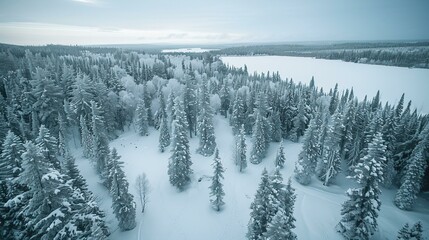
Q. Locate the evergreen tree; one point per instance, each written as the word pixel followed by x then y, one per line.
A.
pixel 278 227
pixel 62 136
pixel 164 135
pixel 48 146
pixel 179 166
pixel 261 209
pixel 205 127
pixel 334 100
pixel 77 181
pixel 360 212
pixel 142 122
pixel 216 188
pixel 225 100
pixel 328 165
pixel 238 115
pixel 100 141
pixel 414 173
pixel 240 150
pixel 10 158
pixel 87 140
pixel 260 143
pixel 307 158
pixel 190 103
pixel 300 121
pixel 276 131
pixel 282 224
pixel 404 233
pixel 280 157
pixel 416 231
pixel 123 204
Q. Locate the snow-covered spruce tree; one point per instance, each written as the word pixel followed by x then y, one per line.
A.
pixel 334 100
pixel 240 150
pixel 282 224
pixel 388 131
pixel 62 136
pixel 360 212
pixel 260 143
pixel 86 139
pixel 216 188
pixel 100 142
pixel 415 233
pixel 415 171
pixel 404 233
pixel 225 98
pixel 329 164
pixel 10 158
pixel 238 115
pixel 307 158
pixel 71 170
pixel 190 103
pixel 278 227
pixel 207 143
pixel 280 157
pixel 10 168
pixel 276 130
pixel 179 166
pixel 164 135
pixel 142 122
pixel 147 98
pixel 261 209
pixel 49 206
pixel 123 204
pixel 300 121
pixel 48 146
pixel 162 111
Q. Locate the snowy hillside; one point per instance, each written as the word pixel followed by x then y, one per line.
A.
pixel 172 214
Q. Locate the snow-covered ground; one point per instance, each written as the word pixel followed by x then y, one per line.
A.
pixel 187 50
pixel 171 214
pixel 364 78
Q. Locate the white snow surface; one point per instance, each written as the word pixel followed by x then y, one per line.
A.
pixel 171 214
pixel 365 79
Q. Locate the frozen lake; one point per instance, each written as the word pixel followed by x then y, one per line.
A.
pixel 364 78
pixel 187 50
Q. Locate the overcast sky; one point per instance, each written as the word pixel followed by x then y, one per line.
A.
pixel 38 22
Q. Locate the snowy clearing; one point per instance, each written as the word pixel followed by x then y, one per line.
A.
pixel 171 214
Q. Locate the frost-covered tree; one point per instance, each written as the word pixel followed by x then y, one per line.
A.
pixel 329 164
pixel 414 173
pixel 278 228
pixel 240 150
pixel 123 204
pixel 307 158
pixel 216 187
pixel 238 115
pixel 164 135
pixel 415 233
pixel 261 209
pixel 360 211
pixel 48 146
pixel 276 131
pixel 280 157
pixel 179 166
pixel 225 98
pixel 300 121
pixel 86 138
pixel 207 143
pixel 260 142
pixel 190 103
pixel 142 122
pixel 62 136
pixel 283 222
pixel 100 142
pixel 71 170
pixel 10 158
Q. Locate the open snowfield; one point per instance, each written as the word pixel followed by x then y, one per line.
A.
pixel 171 214
pixel 364 78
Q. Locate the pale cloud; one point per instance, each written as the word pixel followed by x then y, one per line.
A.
pixel 26 33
